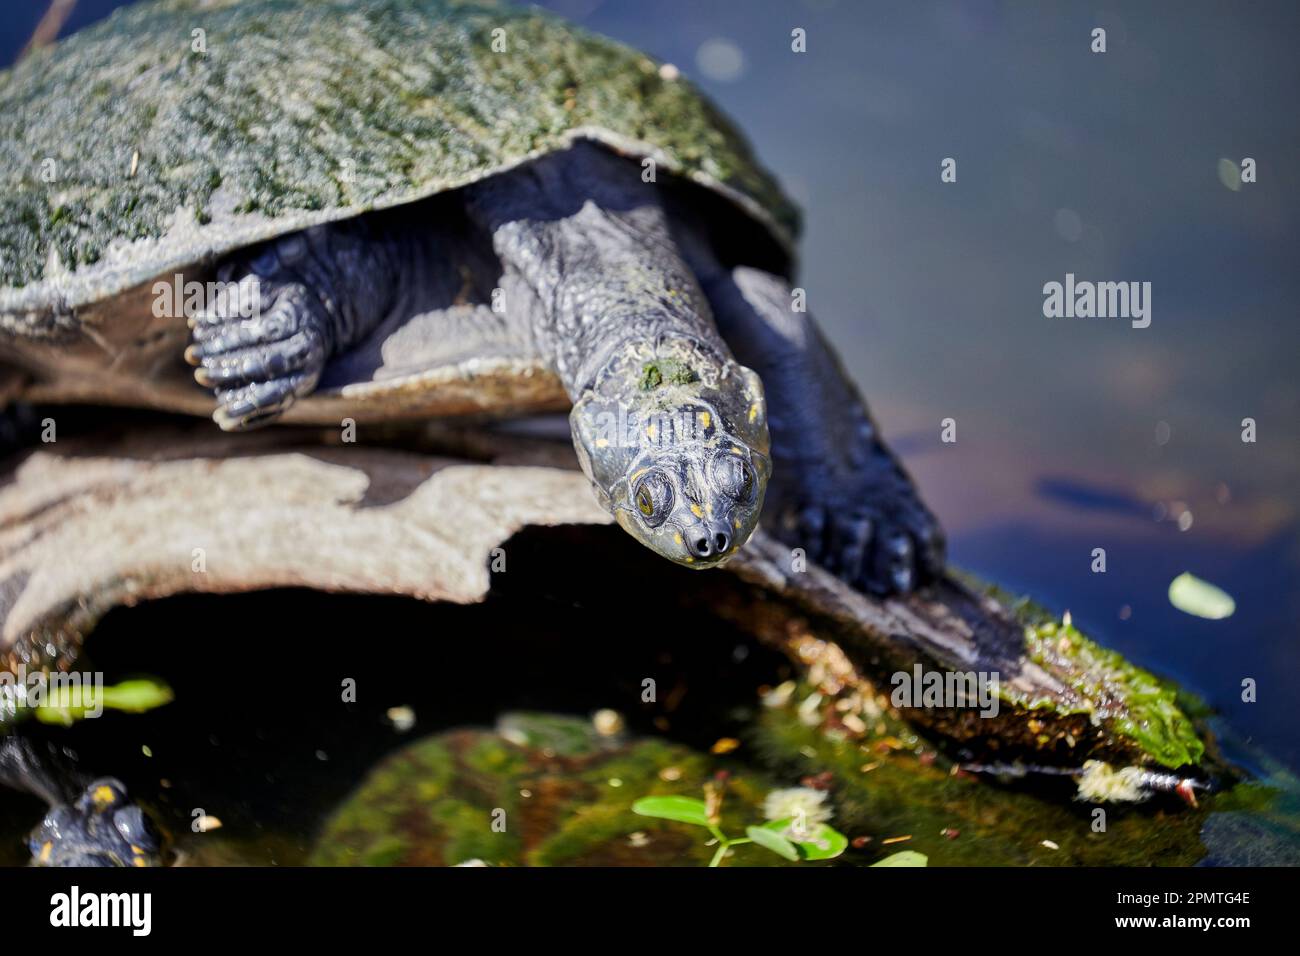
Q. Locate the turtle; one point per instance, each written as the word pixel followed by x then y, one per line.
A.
pixel 352 211
pixel 89 823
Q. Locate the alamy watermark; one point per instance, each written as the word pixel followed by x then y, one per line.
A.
pixel 177 298
pixel 919 688
pixel 69 690
pixel 1098 300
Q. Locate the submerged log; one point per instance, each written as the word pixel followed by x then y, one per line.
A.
pixel 115 518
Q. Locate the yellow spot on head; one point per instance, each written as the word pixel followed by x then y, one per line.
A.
pixel 45 852
pixel 638 473
pixel 650 431
pixel 103 795
pixel 602 442
pixel 705 419
pixel 737 522
pixel 677 539
pixel 753 411
pixel 697 511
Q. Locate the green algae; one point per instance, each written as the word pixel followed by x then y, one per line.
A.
pixel 1152 718
pixel 1149 713
pixel 909 789
pixel 358 106
pixel 665 371
pixel 564 793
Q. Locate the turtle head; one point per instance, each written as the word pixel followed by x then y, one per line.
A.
pixel 679 455
pixel 102 828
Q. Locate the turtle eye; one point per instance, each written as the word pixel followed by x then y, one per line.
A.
pixel 654 499
pixel 733 477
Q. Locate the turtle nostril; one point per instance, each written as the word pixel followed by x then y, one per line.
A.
pixel 721 542
pixel 701 548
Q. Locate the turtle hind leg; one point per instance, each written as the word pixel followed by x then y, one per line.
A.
pixel 283 310
pixel 836 490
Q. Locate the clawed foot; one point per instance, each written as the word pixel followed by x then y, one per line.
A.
pixel 261 345
pixel 883 541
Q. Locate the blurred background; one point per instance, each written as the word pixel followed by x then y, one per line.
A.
pixel 1072 434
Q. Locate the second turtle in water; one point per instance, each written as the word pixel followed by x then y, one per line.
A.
pixel 412 208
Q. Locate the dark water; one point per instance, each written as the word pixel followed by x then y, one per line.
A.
pixel 261 736
pixel 1072 434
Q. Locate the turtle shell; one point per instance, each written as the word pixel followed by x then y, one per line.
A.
pixel 177 131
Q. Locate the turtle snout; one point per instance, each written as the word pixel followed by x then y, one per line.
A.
pixel 709 542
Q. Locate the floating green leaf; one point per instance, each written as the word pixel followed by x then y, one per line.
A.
pixel 1200 598
pixel 820 842
pixel 905 858
pixel 66 705
pixel 681 809
pixel 770 839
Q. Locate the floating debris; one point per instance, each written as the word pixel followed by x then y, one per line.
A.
pixel 797 803
pixel 808 710
pixel 402 718
pixel 1200 598
pixel 206 823
pixel 1100 783
pixel 950 833
pixel 1050 845
pixel 897 839
pixel 780 695
pixel 608 723
pixel 670 774
pixel 724 745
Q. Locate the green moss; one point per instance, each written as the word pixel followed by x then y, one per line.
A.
pixel 665 371
pixel 386 852
pixel 567 794
pixel 1144 714
pixel 1138 705
pixel 455 110
pixel 466 828
pixel 908 789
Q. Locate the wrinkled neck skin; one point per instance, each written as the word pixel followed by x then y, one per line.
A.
pixel 673 435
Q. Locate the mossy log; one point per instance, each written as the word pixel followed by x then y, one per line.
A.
pixel 122 516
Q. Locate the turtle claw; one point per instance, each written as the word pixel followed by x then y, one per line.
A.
pixel 887 550
pixel 259 365
pixel 259 403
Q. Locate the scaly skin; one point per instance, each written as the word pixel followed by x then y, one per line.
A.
pixel 99 827
pixel 623 295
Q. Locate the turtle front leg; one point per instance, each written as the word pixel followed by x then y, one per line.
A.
pixel 836 490
pixel 287 308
